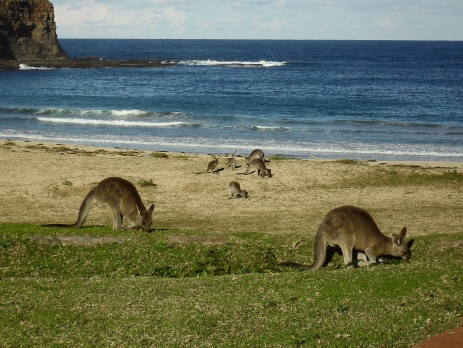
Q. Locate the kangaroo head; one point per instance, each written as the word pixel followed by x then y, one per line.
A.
pixel 399 248
pixel 145 218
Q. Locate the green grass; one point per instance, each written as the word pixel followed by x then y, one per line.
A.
pixel 350 161
pixel 159 155
pixel 149 292
pixel 279 158
pixel 9 143
pixel 403 176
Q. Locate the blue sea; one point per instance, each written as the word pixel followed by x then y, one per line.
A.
pixel 372 100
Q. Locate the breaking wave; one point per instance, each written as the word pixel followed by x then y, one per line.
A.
pixel 210 62
pixel 117 123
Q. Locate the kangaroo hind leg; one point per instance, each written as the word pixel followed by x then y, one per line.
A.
pixel 114 204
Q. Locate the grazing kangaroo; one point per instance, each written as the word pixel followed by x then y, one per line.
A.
pixel 259 167
pixel 255 154
pixel 232 162
pixel 123 199
pixel 353 228
pixel 234 190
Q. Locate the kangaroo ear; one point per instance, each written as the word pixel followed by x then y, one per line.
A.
pixel 403 233
pixel 396 239
pixel 151 209
pixel 410 243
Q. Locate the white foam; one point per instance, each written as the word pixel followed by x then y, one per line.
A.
pixel 272 128
pixel 209 62
pixel 27 67
pixel 118 123
pixel 124 113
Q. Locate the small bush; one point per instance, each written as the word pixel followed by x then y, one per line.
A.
pixel 159 155
pixel 146 183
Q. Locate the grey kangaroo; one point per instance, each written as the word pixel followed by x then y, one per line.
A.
pixel 123 199
pixel 354 228
pixel 259 167
pixel 212 166
pixel 235 191
pixel 255 154
pixel 232 163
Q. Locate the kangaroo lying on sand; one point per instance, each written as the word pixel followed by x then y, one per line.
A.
pixel 235 191
pixel 259 167
pixel 123 199
pixel 255 154
pixel 354 228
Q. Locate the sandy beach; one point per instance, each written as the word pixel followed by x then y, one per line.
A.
pixel 45 183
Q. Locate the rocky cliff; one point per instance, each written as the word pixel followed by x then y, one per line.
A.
pixel 28 30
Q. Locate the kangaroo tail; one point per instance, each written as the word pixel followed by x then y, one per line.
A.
pixel 319 249
pixel 87 203
pixel 85 207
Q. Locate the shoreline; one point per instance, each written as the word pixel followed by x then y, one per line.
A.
pixel 93 148
pixel 81 63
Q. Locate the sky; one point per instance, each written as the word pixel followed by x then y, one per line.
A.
pixel 261 19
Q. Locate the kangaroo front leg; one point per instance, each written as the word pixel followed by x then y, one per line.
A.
pixel 371 256
pixel 362 259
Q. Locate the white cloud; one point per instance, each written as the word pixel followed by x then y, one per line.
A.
pixel 177 19
pixel 302 19
pixel 272 24
pixel 384 23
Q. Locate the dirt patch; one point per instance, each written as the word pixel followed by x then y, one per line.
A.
pixel 206 240
pixel 452 245
pixel 88 241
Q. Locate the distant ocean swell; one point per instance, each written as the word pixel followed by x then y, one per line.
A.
pixel 174 119
pixel 314 128
pixel 88 112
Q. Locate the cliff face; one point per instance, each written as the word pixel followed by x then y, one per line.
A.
pixel 28 30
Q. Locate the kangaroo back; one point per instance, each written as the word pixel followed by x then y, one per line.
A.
pixel 255 154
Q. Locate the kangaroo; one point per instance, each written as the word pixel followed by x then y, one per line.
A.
pixel 354 228
pixel 234 190
pixel 257 153
pixel 231 161
pixel 123 199
pixel 211 167
pixel 260 168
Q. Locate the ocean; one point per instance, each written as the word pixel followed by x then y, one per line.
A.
pixel 366 100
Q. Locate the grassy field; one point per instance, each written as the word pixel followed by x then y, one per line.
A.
pixel 197 291
pixel 209 275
